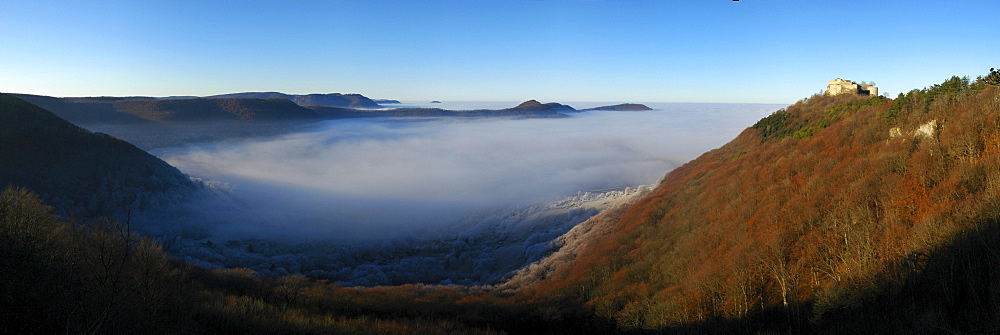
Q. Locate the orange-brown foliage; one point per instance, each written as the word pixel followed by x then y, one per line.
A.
pixel 801 217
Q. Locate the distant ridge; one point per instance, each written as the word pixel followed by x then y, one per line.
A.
pixel 200 109
pixel 330 99
pixel 137 110
pixel 621 107
pixel 99 112
pixel 82 111
pixel 535 105
pixel 557 107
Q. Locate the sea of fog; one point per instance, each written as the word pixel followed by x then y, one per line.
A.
pixel 387 177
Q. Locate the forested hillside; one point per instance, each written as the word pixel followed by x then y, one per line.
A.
pixel 82 173
pixel 193 110
pixel 148 111
pixel 100 278
pixel 838 213
pixel 316 99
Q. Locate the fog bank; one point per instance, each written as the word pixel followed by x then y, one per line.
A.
pixel 377 177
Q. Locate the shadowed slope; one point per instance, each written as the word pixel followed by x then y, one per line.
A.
pixel 83 111
pixel 149 111
pixel 195 110
pixel 90 174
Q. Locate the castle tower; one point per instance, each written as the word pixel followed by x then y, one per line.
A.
pixel 842 86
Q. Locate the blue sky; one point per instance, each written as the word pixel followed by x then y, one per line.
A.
pixel 757 51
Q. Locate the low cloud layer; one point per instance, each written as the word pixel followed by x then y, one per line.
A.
pixel 366 178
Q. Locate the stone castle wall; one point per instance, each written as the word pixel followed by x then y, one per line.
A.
pixel 842 86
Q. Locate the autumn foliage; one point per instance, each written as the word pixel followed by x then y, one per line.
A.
pixel 841 213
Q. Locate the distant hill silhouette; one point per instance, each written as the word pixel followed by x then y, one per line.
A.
pixel 535 105
pixel 82 111
pixel 95 112
pixel 88 174
pixel 530 111
pixel 330 99
pixel 621 107
pixel 386 101
pixel 140 110
pixel 200 109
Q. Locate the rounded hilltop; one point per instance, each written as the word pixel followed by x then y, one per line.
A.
pixel 535 105
pixel 622 107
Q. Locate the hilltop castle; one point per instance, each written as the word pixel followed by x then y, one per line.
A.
pixel 841 86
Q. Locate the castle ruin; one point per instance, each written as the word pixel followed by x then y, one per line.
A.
pixel 841 86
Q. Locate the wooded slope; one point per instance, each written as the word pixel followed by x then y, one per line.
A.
pixel 843 213
pixel 83 173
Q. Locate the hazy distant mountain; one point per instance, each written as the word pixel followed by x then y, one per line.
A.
pixel 82 111
pixel 141 110
pixel 214 109
pixel 89 174
pixel 386 101
pixel 531 109
pixel 534 105
pixel 621 107
pixel 265 106
pixel 330 99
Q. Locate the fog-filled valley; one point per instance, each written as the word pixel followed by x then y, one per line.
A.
pixel 485 167
pixel 419 200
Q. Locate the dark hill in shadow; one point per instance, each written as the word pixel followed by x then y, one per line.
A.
pixel 140 110
pixel 84 111
pixel 200 110
pixel 88 174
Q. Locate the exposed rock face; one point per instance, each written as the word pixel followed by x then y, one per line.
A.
pixel 79 172
pixel 925 130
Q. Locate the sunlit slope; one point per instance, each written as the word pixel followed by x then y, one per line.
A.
pixel 832 214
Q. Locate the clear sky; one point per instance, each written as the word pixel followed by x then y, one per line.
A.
pixel 765 51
